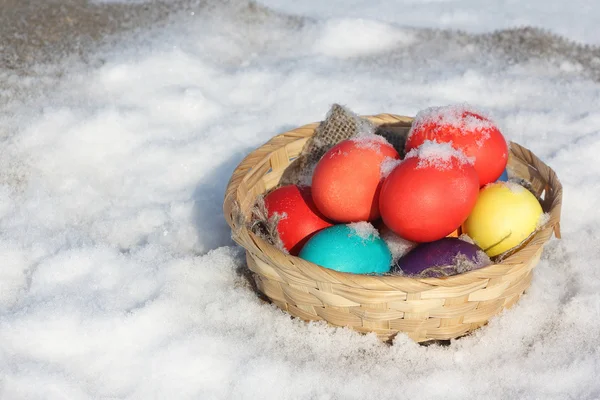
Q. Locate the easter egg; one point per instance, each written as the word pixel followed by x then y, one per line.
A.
pixel 347 180
pixel 454 254
pixel 299 217
pixel 503 177
pixel 505 214
pixel 468 131
pixel 353 248
pixel 430 193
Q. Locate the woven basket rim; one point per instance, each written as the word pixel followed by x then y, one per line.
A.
pixel 384 282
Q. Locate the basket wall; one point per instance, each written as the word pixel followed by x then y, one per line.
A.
pixel 426 309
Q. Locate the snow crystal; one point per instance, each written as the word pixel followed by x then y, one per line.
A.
pixel 438 155
pixel 368 140
pixel 483 259
pixel 397 245
pixel 509 143
pixel 388 165
pixel 364 230
pixel 463 116
pixel 279 216
pixel 365 129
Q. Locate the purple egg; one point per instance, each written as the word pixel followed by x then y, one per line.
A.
pixel 444 257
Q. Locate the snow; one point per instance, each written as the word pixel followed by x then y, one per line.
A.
pixel 483 259
pixel 440 156
pixel 371 142
pixel 119 278
pixel 468 119
pixel 387 166
pixel 398 246
pixel 364 230
pixel 575 19
pixel 354 37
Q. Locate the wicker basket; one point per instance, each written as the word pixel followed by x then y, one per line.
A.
pixel 426 309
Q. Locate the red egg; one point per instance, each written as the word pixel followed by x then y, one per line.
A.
pixel 430 194
pixel 347 180
pixel 300 217
pixel 468 131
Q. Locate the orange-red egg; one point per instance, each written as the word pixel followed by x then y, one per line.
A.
pixel 424 200
pixel 299 217
pixel 347 180
pixel 468 131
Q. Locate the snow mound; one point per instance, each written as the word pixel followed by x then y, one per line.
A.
pixel 441 156
pixel 388 165
pixel 364 230
pixel 365 138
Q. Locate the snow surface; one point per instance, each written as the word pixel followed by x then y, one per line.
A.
pixel 119 278
pixel 576 19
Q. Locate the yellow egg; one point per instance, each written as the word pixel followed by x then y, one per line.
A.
pixel 505 214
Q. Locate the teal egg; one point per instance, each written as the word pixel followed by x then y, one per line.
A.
pixel 341 248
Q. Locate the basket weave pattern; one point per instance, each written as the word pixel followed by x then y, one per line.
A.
pixel 425 308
